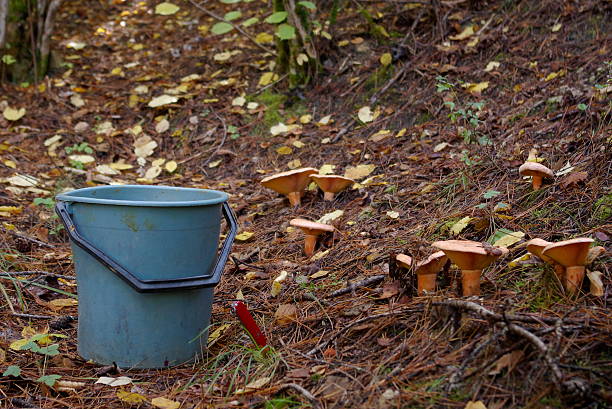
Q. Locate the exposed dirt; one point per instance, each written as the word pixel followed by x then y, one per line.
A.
pixel 375 345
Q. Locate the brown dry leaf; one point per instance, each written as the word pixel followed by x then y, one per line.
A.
pixel 466 33
pixel 285 314
pixel 597 287
pixel 384 341
pixel 2 356
pixel 390 289
pixel 507 361
pixel 258 383
pixel 573 179
pixel 299 373
pixel 329 353
pixel 594 253
pixel 165 403
pixel 359 171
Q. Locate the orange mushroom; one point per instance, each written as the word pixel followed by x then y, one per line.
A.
pixel 331 184
pixel 571 254
pixel 536 246
pixel 291 183
pixel 537 172
pixel 427 271
pixel 312 230
pixel 471 257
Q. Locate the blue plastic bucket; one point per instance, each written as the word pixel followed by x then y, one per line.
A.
pixel 146 263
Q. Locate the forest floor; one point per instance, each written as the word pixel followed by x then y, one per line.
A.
pixel 472 89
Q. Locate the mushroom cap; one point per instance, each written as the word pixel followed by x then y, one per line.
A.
pixel 536 246
pixel 332 183
pixel 311 228
pixel 294 180
pixel 404 260
pixel 535 169
pixel 469 255
pixel 569 253
pixel 432 264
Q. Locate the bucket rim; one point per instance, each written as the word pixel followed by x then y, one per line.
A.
pixel 74 196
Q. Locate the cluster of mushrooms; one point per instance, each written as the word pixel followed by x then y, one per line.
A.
pixel 293 183
pixel 568 257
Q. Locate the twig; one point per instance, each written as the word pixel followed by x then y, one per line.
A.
pixel 33 316
pixel 28 238
pixel 353 286
pixel 240 30
pixel 27 273
pixel 304 392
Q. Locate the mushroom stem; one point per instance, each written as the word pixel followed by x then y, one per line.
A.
pixel 329 196
pixel 295 198
pixel 426 283
pixel 309 244
pixel 470 280
pixel 573 278
pixel 560 273
pixel 536 182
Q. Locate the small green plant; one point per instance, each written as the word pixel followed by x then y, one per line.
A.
pixel 12 370
pixel 76 164
pixel 82 147
pixel 233 132
pixel 8 59
pixel 54 225
pixel 465 158
pixel 32 344
pixel 48 380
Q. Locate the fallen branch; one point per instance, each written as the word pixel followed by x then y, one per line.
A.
pixel 353 286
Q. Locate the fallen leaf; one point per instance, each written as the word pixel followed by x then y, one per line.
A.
pixel 508 361
pixel 244 236
pixel 466 33
pixel 144 146
pixel 305 119
pixel 596 287
pixel 285 314
pixel 329 353
pixel 215 163
pixel 2 356
pixel 23 180
pixel 359 171
pixel 131 397
pixel 459 226
pixel 330 217
pixel 573 179
pixel 393 214
pixel 594 253
pixel 258 383
pixel 267 78
pixel 120 381
pixel 162 126
pixel 475 405
pixel 7 211
pixel 440 146
pixel 166 9
pixel 325 120
pixel 509 239
pixel 365 114
pixel 556 27
pixel 77 100
pixel 171 166
pixel 476 88
pixel 327 169
pixel 216 334
pixel 386 59
pixel 63 302
pixel 84 159
pixel 9 163
pixel 278 129
pixel 164 403
pixel 284 150
pixel 390 289
pixel 298 373
pixel 11 114
pixel 106 170
pixel 277 284
pixel 492 65
pixel 319 274
pixel 162 100
pixel 153 172
pixel 239 101
pixel 294 164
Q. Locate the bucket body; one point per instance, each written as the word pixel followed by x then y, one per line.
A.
pixel 159 235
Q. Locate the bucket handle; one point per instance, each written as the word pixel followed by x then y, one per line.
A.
pixel 148 286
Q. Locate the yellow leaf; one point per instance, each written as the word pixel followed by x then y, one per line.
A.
pixel 330 217
pixel 238 101
pixel 401 133
pixel 305 118
pixel 214 336
pixel 171 166
pixel 509 239
pixel 326 120
pixel 13 114
pixel 9 163
pixel 117 71
pixel 475 405
pixel 264 38
pixel 278 129
pixel 28 332
pixel 63 302
pixel 214 164
pixel 16 345
pixel 121 166
pixel 359 171
pixel 298 144
pixel 380 135
pixel 259 383
pixel 386 59
pixel 466 33
pixel 267 78
pixel 244 236
pixel 166 9
pixel 554 75
pixel 2 356
pixel 284 150
pixel 164 403
pixel 294 164
pixel 460 225
pixel 476 88
pixel 393 214
pixel 327 169
pixel 10 210
pixel 556 27
pixel 277 284
pixel 131 397
pixel 162 100
pixel 492 65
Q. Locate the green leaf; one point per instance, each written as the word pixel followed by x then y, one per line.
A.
pixel 250 22
pixel 277 17
pixel 50 350
pixel 48 380
pixel 221 28
pixel 232 15
pixel 8 59
pixel 491 193
pixel 582 107
pixel 166 9
pixel 308 4
pixel 286 32
pixel 12 370
pixel 230 1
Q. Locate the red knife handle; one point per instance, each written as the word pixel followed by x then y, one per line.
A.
pixel 245 317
